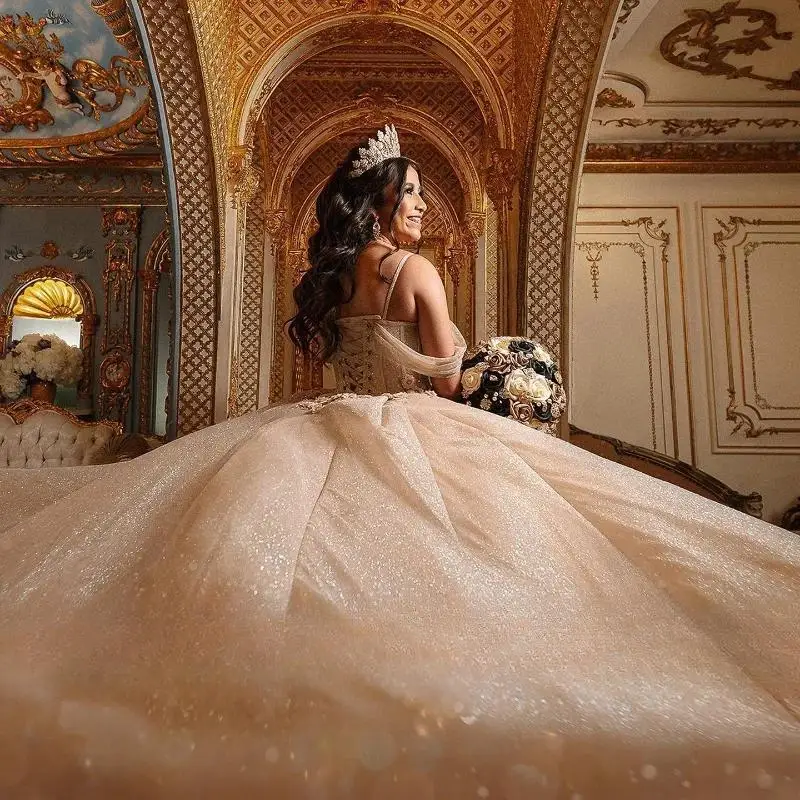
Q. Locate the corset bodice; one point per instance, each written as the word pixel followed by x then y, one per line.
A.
pixel 378 355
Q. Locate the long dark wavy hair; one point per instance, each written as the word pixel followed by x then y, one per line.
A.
pixel 345 212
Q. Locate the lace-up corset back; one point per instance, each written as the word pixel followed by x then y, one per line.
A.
pixel 378 355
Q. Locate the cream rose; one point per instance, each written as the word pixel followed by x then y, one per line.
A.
pixel 471 378
pixel 525 384
pixel 500 343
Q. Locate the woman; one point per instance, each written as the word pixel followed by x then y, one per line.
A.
pixel 385 594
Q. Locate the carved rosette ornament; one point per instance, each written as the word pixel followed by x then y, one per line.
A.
pixel 121 228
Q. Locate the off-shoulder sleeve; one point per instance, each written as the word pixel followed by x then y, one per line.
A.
pixel 431 366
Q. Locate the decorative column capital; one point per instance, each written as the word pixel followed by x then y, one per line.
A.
pixel 242 177
pixel 500 176
pixel 472 228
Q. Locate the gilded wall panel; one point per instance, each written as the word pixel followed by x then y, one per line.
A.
pixel 752 285
pixel 629 373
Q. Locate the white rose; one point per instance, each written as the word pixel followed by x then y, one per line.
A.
pixel 525 384
pixel 471 378
pixel 11 383
pixel 49 364
pixel 24 357
pixel 500 343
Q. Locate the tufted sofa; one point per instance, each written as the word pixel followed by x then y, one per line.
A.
pixel 40 435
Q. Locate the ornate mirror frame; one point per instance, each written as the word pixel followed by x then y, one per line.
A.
pixel 88 319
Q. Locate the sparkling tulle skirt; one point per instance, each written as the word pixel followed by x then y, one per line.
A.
pixel 390 597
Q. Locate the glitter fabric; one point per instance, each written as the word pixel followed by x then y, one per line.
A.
pixel 386 597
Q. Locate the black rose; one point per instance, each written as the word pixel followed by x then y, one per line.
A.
pixel 521 346
pixel 501 406
pixel 542 412
pixel 492 381
pixel 539 367
pixel 473 361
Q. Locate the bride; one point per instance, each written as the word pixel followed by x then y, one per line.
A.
pixel 386 594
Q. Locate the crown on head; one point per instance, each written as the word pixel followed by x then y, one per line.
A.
pixel 387 145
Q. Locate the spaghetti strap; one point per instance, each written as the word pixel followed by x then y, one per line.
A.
pixel 392 284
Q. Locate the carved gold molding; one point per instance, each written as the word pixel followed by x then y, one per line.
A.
pixel 137 130
pixel 20 410
pixel 157 263
pixel 121 224
pixel 749 416
pixel 693 157
pixel 704 126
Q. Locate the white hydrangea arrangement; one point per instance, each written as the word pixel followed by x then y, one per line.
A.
pixel 36 356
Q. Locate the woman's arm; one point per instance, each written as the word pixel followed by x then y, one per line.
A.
pixel 433 319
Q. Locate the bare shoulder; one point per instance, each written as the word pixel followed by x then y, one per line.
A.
pixel 420 273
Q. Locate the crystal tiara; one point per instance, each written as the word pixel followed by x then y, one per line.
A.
pixel 387 145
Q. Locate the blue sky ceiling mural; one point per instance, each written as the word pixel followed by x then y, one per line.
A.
pixel 70 88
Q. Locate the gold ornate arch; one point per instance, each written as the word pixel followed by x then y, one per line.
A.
pixel 173 60
pixel 550 169
pixel 305 41
pixel 88 319
pixel 353 117
pixel 553 169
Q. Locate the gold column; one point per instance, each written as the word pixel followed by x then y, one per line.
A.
pixel 121 226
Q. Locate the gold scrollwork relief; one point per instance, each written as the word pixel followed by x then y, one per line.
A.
pixel 706 41
pixel 121 226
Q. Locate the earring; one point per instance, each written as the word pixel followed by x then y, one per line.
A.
pixel 376 229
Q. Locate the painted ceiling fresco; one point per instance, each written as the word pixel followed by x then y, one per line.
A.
pixel 65 78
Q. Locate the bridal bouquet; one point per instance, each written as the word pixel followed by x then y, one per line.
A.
pixel 38 357
pixel 514 377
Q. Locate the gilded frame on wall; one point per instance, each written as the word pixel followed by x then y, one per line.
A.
pixel 88 319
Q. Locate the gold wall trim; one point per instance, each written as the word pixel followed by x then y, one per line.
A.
pixel 177 69
pixel 136 130
pixel 746 414
pixel 553 169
